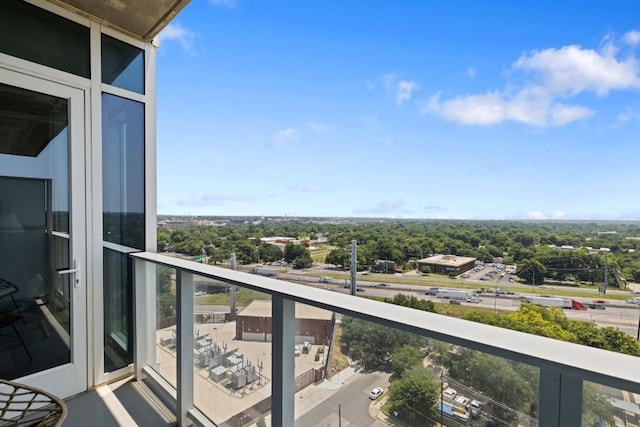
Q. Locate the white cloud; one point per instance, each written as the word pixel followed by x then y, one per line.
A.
pixel 318 128
pixel 401 90
pixel 471 72
pixel 176 32
pixel 229 4
pixel 557 75
pixel 404 90
pixel 535 215
pixel 279 138
pixel 632 38
pixel 571 70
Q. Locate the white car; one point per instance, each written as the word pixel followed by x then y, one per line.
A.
pixel 449 394
pixel 375 393
pixel 475 408
pixel 296 351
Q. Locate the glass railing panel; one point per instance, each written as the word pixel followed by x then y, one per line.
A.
pixel 607 406
pixel 369 374
pixel 164 327
pixel 232 352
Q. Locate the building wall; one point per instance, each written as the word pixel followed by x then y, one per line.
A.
pixel 250 328
pixel 447 268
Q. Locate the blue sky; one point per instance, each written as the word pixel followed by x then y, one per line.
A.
pixel 405 109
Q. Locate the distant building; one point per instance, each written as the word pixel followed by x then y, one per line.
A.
pixel 312 324
pixel 385 266
pixel 448 264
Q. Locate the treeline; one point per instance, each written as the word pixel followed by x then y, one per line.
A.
pixel 406 241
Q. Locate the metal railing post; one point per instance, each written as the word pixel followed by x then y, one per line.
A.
pixel 184 345
pixel 283 341
pixel 560 402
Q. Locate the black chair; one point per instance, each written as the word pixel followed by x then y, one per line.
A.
pixel 7 289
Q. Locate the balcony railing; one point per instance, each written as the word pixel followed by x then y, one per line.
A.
pixel 563 367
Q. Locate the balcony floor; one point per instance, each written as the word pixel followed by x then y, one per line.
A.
pixel 124 403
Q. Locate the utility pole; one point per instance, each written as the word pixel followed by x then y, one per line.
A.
pixel 234 288
pixel 354 265
pixel 606 270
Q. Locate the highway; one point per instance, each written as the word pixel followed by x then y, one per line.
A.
pixel 618 314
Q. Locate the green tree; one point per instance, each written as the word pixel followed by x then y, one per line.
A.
pixel 163 279
pixel 293 251
pixel 371 343
pixel 532 271
pixel 417 390
pixel 405 358
pixel 595 406
pixel 338 257
pixel 270 253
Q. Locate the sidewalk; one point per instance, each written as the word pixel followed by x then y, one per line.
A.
pixel 313 395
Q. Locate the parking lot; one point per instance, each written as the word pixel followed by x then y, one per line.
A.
pixel 488 272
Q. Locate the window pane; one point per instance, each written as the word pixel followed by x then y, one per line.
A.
pixel 118 311
pixel 35 301
pixel 36 35
pixel 122 65
pixel 163 359
pixel 232 356
pixel 123 171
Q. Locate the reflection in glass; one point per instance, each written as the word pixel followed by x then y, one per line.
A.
pixel 164 361
pixel 35 301
pixel 122 65
pixel 123 171
pixel 118 311
pixel 232 369
pixel 36 35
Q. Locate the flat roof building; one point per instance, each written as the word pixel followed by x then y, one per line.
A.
pixel 312 324
pixel 448 264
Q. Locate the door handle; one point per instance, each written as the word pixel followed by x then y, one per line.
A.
pixel 74 271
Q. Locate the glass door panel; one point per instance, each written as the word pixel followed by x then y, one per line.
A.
pixel 42 234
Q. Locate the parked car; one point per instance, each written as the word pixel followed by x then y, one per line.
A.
pixel 375 393
pixel 449 394
pixel 475 408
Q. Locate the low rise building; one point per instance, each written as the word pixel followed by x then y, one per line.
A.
pixel 448 264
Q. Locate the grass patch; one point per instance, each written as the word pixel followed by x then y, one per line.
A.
pixel 339 361
pixel 319 254
pixel 244 297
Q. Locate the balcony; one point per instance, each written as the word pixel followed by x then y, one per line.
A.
pixel 213 378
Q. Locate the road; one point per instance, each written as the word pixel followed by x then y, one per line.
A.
pixel 351 401
pixel 618 314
